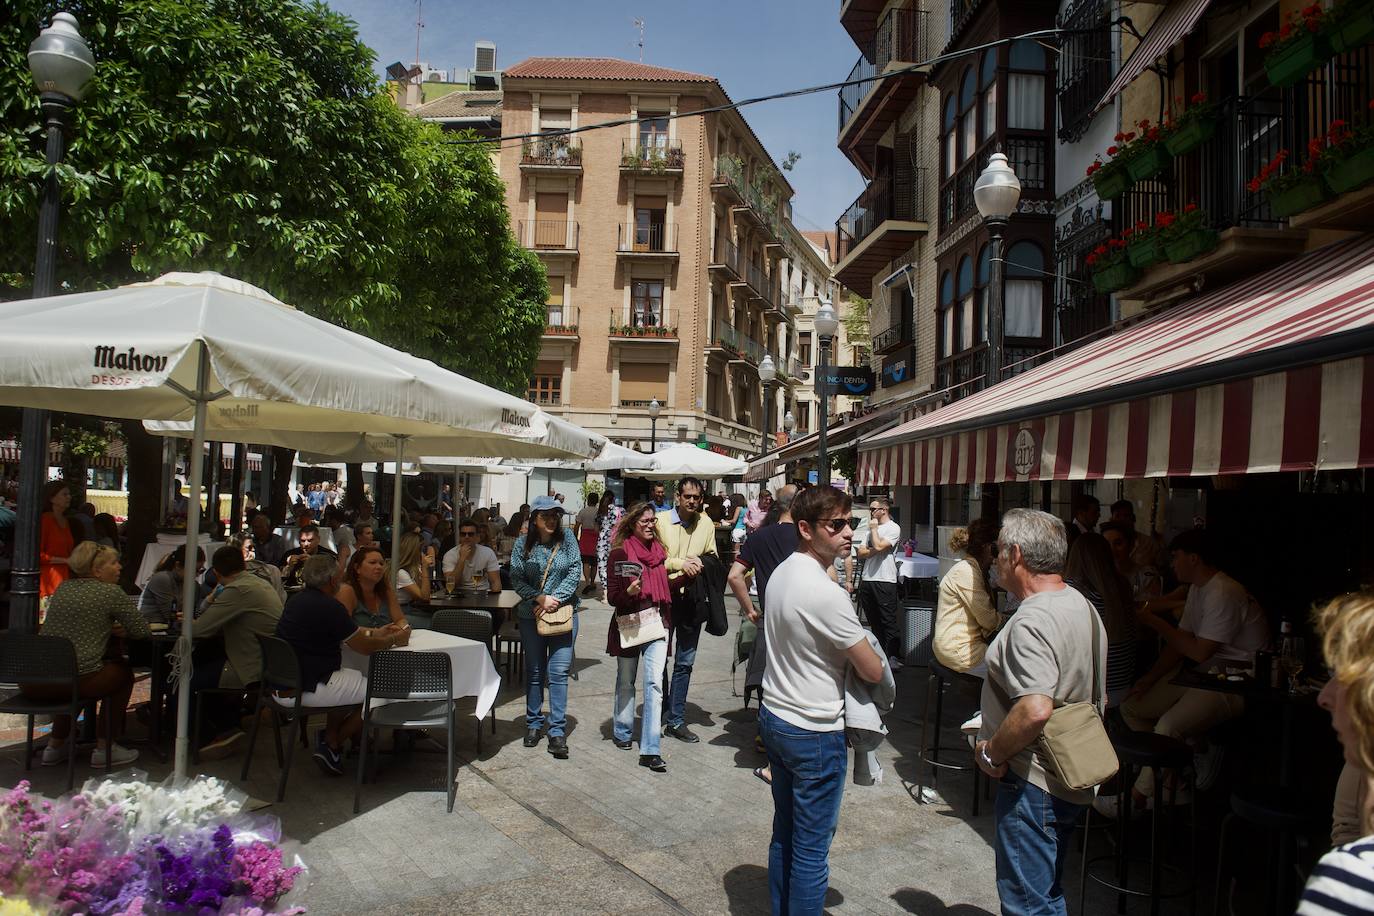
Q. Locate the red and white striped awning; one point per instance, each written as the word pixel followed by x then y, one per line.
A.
pixel 838 436
pixel 1272 374
pixel 114 456
pixel 1172 25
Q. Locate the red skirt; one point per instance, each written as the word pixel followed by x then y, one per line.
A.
pixel 586 544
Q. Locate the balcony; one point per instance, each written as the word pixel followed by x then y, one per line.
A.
pixel 561 322
pixel 882 223
pixel 728 181
pixel 760 211
pixel 725 260
pixel 726 340
pixel 651 155
pixel 894 338
pixel 647 241
pixel 553 154
pixel 789 370
pixel 1029 156
pixel 550 236
pixel 868 108
pixel 755 283
pixel 644 323
pixel 956 192
pixel 963 374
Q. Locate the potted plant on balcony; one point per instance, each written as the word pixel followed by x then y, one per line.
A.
pixel 1187 235
pixel 1110 178
pixel 1146 155
pixel 1350 25
pixel 1290 190
pixel 1347 159
pixel 1194 126
pixel 1111 269
pixel 1145 241
pixel 1299 46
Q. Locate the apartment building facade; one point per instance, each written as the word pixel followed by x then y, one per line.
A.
pixel 664 240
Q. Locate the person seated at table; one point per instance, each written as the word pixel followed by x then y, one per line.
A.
pixel 87 610
pixel 1221 625
pixel 161 596
pixel 364 535
pixel 1092 570
pixel 471 561
pixel 270 546
pixel 1145 581
pixel 364 516
pixel 316 625
pixel 344 538
pixel 1343 881
pixel 366 591
pixel 965 615
pixel 242 607
pixel 310 546
pixel 264 571
pixel 106 530
pixel 412 575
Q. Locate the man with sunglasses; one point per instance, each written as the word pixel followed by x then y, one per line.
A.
pixel 813 637
pixel 687 534
pixel 878 590
pixel 469 559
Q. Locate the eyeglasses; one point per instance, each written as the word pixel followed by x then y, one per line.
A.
pixel 877 509
pixel 836 525
pixel 467 534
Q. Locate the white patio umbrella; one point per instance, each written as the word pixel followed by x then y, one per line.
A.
pixel 226 357
pixel 689 461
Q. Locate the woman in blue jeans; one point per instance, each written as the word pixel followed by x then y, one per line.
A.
pixel 637 581
pixel 546 568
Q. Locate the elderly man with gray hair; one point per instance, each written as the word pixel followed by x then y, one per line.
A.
pixel 1042 659
pixel 317 626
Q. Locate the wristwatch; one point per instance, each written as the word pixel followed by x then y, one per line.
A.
pixel 987 758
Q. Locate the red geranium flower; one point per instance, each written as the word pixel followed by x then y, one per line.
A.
pixel 1113 150
pixel 1199 97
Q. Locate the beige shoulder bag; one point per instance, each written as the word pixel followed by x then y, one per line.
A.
pixel 556 622
pixel 1074 743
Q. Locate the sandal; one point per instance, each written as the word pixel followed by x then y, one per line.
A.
pixel 762 773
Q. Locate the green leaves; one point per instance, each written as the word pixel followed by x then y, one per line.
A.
pixel 251 137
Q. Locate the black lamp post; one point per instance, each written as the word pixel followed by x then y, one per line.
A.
pixel 655 409
pixel 767 372
pixel 827 326
pixel 996 194
pixel 61 65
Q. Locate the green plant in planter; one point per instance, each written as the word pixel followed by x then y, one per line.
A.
pixel 1194 126
pixel 1187 235
pixel 1290 190
pixel 1299 46
pixel 1146 155
pixel 1109 179
pixel 1111 269
pixel 1346 158
pixel 1145 241
pixel 1350 25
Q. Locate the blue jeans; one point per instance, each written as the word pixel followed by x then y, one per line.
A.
pixel 547 660
pixel 684 656
pixel 651 659
pixel 808 783
pixel 1033 831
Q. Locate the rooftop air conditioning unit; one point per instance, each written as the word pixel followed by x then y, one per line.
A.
pixel 484 57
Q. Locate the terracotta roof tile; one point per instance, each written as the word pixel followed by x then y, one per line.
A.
pixel 598 68
pixel 462 105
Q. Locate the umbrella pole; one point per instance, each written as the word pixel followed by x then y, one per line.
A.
pixel 188 580
pixel 396 509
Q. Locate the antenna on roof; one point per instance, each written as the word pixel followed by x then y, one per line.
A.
pixel 639 24
pixel 419 24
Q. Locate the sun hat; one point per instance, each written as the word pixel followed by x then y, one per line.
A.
pixel 546 504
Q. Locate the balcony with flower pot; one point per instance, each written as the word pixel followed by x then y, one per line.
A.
pixel 557 153
pixel 560 322
pixel 644 323
pixel 1337 192
pixel 653 155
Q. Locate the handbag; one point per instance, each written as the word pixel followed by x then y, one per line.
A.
pixel 640 627
pixel 1074 743
pixel 556 622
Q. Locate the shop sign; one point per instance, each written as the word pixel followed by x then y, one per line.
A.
pixel 851 380
pixel 1023 451
pixel 900 368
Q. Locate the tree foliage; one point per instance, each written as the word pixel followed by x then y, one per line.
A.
pixel 251 137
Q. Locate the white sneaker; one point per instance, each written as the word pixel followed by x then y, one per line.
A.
pixel 894 663
pixel 1207 766
pixel 123 756
pixel 52 756
pixel 973 726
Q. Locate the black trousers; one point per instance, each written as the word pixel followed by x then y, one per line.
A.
pixel 878 601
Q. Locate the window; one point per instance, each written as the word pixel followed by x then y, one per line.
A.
pixel 545 389
pixel 1026 90
pixel 555 302
pixel 646 303
pixel 946 314
pixel 951 138
pixel 650 214
pixel 1025 291
pixel 1085 64
pixel 653 133
pixel 641 383
pixel 968 114
pixel 804 348
pixel 989 86
pixel 965 304
pixel 803 416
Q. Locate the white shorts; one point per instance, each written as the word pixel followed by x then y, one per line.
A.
pixel 345 687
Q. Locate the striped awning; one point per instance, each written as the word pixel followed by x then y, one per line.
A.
pixel 113 457
pixel 1271 374
pixel 839 435
pixel 1173 24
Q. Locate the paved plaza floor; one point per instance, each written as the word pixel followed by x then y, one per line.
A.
pixel 599 834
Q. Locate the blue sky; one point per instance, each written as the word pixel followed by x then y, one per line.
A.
pixel 754 47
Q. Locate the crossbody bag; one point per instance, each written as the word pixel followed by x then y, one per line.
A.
pixel 556 622
pixel 1074 743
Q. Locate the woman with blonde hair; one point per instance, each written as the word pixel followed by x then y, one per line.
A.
pixel 1092 570
pixel 965 615
pixel 1343 881
pixel 413 564
pixel 86 610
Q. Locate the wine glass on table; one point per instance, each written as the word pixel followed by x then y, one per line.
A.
pixel 1292 655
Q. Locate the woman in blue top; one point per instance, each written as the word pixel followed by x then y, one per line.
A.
pixel 548 546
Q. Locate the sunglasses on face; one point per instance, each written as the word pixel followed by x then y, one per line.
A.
pixel 467 534
pixel 876 509
pixel 836 525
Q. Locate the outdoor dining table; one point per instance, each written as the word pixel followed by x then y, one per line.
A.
pixel 918 566
pixel 504 600
pixel 473 673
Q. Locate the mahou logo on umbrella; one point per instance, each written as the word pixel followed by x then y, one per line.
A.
pixel 128 360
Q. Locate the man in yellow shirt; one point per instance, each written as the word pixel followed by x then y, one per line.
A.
pixel 687 534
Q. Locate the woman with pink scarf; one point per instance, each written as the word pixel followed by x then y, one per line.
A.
pixel 637 580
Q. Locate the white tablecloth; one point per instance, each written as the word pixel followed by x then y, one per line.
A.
pixel 153 553
pixel 473 673
pixel 917 566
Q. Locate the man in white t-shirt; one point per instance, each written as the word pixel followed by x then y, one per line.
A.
pixel 1221 625
pixel 812 636
pixel 878 590
pixel 470 559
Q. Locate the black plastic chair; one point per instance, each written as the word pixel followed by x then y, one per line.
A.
pixel 281 670
pixel 939 681
pixel 470 624
pixel 201 694
pixel 30 658
pixel 1281 817
pixel 421 683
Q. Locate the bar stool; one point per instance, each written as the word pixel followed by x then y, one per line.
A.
pixel 1277 812
pixel 939 680
pixel 1138 751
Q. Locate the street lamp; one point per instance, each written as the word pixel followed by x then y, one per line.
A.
pixel 767 372
pixel 655 408
pixel 789 423
pixel 996 194
pixel 827 325
pixel 61 65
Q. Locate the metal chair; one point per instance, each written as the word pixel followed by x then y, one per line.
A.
pixel 29 658
pixel 509 634
pixel 475 625
pixel 422 685
pixel 939 681
pixel 281 670
pixel 201 694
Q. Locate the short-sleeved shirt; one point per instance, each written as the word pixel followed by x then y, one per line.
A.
pixel 344 537
pixel 809 624
pixel 1342 882
pixel 882 567
pixel 766 550
pixel 586 517
pixel 316 626
pixel 1045 649
pixel 483 561
pixel 1221 610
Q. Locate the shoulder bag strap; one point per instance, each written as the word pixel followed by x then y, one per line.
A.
pixel 549 565
pixel 1097 645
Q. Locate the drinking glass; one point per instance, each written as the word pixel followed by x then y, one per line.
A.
pixel 1291 660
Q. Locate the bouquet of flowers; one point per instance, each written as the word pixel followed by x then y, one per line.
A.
pixel 125 847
